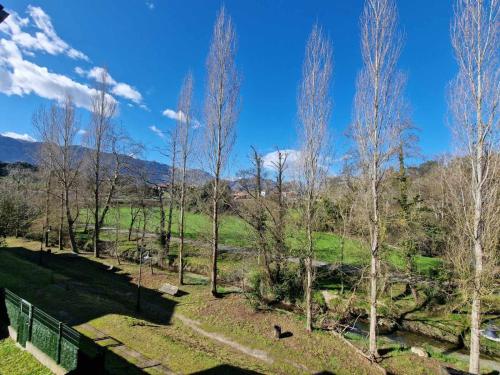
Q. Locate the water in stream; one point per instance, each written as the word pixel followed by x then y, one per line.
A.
pixel 409 339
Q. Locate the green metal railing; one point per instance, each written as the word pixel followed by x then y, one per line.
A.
pixel 51 336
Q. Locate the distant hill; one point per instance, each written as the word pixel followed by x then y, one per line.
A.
pixel 15 150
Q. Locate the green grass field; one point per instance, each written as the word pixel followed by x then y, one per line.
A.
pixel 14 361
pixel 235 232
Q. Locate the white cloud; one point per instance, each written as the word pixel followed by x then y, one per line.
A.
pixel 22 77
pixel 178 116
pixel 121 89
pixel 150 4
pixel 99 74
pixel 80 71
pixel 292 159
pixel 157 131
pixel 19 76
pixel 82 132
pixel 127 92
pixel 44 39
pixel 22 137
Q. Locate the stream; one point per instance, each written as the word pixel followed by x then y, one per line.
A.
pixel 409 339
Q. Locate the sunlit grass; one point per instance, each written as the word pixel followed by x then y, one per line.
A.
pixel 14 361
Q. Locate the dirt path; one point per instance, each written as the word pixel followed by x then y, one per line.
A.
pixel 194 325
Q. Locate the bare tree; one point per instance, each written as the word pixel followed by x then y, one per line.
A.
pixel 254 211
pixel 474 98
pixel 185 129
pixel 101 138
pixel 221 110
pixel 57 128
pixel 280 167
pixel 314 109
pixel 265 212
pixel 378 90
pixel 174 140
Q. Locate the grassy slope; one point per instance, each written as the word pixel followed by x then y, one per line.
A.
pixel 106 300
pixel 14 361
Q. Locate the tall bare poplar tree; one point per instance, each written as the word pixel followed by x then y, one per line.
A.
pixel 221 112
pixel 474 99
pixel 378 89
pixel 100 139
pixel 185 148
pixel 314 108
pixel 58 128
pixel 174 140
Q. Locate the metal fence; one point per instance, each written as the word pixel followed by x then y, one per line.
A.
pixel 49 335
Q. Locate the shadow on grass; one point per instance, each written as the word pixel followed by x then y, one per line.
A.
pixel 89 291
pixel 226 369
pixel 95 359
pixel 4 318
pixel 181 293
pixel 81 291
pixel 285 335
pixel 227 293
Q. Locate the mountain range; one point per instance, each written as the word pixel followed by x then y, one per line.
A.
pixel 15 150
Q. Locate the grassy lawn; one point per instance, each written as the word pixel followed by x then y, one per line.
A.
pixel 235 232
pixel 14 361
pixel 106 301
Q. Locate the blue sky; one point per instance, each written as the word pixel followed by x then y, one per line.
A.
pixel 148 46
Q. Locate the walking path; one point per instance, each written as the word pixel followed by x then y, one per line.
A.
pixel 194 325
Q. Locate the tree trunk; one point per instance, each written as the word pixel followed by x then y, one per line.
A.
pixel 169 225
pixel 171 203
pixel 163 234
pixel 475 320
pixel 87 221
pixel 215 236
pixel 47 211
pixel 374 264
pixel 133 216
pixel 61 222
pixel 70 220
pixel 309 281
pixel 96 202
pixel 342 245
pixel 478 259
pixel 181 225
pixel 96 224
pixel 117 232
pixel 373 306
pixel 109 197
